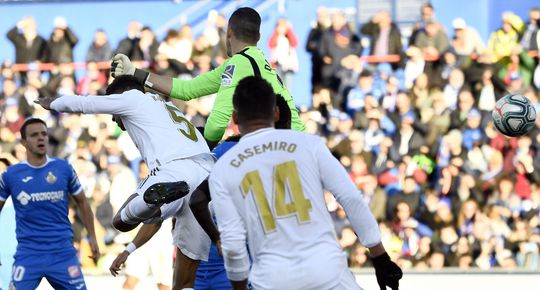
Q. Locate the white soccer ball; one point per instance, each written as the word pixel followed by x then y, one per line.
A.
pixel 514 115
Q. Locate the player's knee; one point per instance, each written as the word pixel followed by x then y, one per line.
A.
pixel 119 224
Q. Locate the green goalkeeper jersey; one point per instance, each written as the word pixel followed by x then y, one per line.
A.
pixel 223 81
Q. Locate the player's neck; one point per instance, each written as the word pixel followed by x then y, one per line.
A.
pixel 254 126
pixel 239 46
pixel 36 160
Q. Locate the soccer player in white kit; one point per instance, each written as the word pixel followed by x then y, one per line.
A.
pixel 176 153
pixel 268 190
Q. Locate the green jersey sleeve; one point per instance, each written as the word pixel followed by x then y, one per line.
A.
pixel 201 85
pixel 236 68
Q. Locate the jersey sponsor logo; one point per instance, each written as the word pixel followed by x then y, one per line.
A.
pixel 51 178
pixel 24 198
pixel 26 179
pixel 53 196
pixel 228 74
pixel 74 272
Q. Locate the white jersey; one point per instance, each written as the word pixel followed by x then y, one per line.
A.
pixel 269 190
pixel 159 130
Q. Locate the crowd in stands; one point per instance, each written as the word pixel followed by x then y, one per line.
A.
pixel 415 133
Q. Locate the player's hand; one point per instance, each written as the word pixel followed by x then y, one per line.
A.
pixel 387 272
pixel 94 248
pixel 218 246
pixel 121 65
pixel 118 263
pixel 45 102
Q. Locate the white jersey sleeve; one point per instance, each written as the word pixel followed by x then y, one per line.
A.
pixel 115 104
pixel 233 234
pixel 336 180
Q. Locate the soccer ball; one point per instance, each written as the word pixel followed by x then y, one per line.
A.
pixel 514 115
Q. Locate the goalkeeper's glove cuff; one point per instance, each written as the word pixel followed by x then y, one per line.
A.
pixel 141 75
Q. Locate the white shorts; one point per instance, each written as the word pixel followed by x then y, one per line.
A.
pixel 188 235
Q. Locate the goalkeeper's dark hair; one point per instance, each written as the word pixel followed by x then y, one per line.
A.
pixel 245 24
pixel 28 122
pixel 124 83
pixel 254 99
pixel 284 121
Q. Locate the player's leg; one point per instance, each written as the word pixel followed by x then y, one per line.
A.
pixel 128 223
pixel 64 271
pixel 198 203
pixel 185 270
pixel 27 272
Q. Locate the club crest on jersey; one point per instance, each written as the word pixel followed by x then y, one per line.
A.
pixel 228 74
pixel 51 178
pixel 24 198
pixel 74 271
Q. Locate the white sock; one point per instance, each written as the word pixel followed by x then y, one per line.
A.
pixel 188 289
pixel 137 211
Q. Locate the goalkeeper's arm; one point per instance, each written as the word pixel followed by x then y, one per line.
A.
pixel 202 85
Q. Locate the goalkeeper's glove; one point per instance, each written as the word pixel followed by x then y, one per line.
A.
pixel 121 65
pixel 387 272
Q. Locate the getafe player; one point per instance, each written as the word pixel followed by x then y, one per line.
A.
pixel 40 188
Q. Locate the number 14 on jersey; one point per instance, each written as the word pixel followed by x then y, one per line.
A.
pixel 285 180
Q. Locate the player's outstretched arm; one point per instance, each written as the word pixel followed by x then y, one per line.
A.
pixel 88 221
pixel 202 85
pixel 145 233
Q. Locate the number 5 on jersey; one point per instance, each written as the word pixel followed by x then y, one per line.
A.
pixel 174 113
pixel 285 180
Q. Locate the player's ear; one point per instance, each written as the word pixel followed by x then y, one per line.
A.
pixel 229 32
pixel 235 117
pixel 276 114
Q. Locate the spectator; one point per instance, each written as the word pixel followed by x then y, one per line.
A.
pixel 414 66
pixel 337 43
pixel 61 43
pixel 466 40
pixel 128 45
pixel 385 35
pixel 528 40
pixel 100 50
pixel 283 58
pixel 29 46
pixel 518 65
pixel 313 43
pixel 427 14
pixel 433 41
pixel 502 41
pixel 93 75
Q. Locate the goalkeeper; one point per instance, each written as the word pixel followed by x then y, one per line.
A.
pixel 245 60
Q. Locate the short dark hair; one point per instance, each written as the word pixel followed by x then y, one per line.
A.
pixel 245 24
pixel 28 122
pixel 124 83
pixel 254 99
pixel 284 121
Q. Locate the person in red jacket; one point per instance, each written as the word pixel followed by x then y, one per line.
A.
pixel 283 43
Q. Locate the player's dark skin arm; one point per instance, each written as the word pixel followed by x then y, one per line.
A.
pixel 88 220
pixel 199 206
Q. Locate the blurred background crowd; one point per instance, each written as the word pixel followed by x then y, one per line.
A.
pixel 410 121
